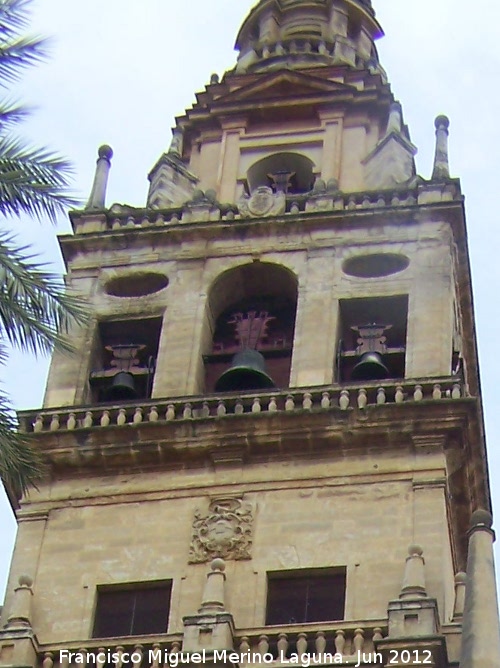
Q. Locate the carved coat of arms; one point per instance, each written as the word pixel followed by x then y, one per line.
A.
pixel 262 202
pixel 226 531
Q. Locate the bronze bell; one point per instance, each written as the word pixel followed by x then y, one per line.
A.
pixel 247 372
pixel 370 367
pixel 122 387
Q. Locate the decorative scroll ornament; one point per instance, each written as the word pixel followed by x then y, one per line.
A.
pixel 262 202
pixel 225 532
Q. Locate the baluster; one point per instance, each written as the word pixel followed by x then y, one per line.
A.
pixel 301 644
pixel 160 219
pixel 83 653
pixel 256 407
pixel 362 398
pixel 436 391
pixel 377 634
pixel 48 660
pixel 263 645
pixel 138 658
pixel 100 660
pixel 116 224
pixel 153 414
pixel 221 408
pixel 130 222
pixel 188 411
pixel 121 418
pixel 282 646
pixel 64 662
pixel 307 401
pixel 156 651
pixel 380 396
pixel 294 207
pixel 418 394
pixel 456 391
pixel 344 399
pixel 145 221
pixel 320 643
pixel 88 419
pixel 272 407
pixel 399 396
pixel 170 414
pixel 325 400
pixel 289 403
pixel 137 419
pixel 244 645
pixel 176 647
pixel 71 423
pixel 119 659
pixel 38 426
pixel 54 423
pixel 358 641
pixel 238 407
pixel 340 642
pixel 105 419
pixel 205 410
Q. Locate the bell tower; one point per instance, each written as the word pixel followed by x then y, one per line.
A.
pixel 269 447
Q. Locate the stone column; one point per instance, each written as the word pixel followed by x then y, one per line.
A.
pixel 441 168
pixel 480 627
pixel 98 193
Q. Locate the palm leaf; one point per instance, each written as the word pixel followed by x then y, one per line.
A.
pixel 21 465
pixel 32 181
pixel 36 312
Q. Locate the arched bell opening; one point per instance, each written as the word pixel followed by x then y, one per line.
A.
pixel 252 321
pixel 290 173
pixel 124 360
pixel 372 339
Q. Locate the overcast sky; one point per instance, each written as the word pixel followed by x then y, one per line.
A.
pixel 121 70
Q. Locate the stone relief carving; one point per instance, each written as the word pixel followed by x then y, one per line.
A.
pixel 262 202
pixel 226 531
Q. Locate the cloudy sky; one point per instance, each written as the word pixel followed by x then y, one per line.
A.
pixel 121 70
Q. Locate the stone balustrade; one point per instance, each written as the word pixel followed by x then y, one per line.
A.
pixel 277 643
pixel 313 202
pixel 343 397
pixel 103 653
pixel 345 639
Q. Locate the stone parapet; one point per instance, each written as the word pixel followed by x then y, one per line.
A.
pixel 201 407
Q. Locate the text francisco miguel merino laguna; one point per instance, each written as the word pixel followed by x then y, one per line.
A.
pixel 174 660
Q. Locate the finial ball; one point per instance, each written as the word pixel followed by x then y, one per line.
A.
pixel 442 121
pixel 25 581
pixel 105 151
pixel 218 564
pixel 481 517
pixel 415 551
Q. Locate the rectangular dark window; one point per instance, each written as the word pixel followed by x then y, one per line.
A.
pixel 295 597
pixel 130 612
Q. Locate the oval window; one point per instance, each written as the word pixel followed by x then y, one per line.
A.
pixel 375 265
pixel 136 285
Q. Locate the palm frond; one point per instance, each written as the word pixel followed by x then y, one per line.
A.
pixel 13 16
pixel 21 465
pixel 11 113
pixel 17 51
pixel 32 181
pixel 18 54
pixel 36 311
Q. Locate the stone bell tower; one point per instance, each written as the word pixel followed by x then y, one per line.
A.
pixel 270 443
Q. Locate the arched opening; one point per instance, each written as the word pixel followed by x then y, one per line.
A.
pixel 283 172
pixel 251 308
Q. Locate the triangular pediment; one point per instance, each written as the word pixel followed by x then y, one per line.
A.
pixel 283 84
